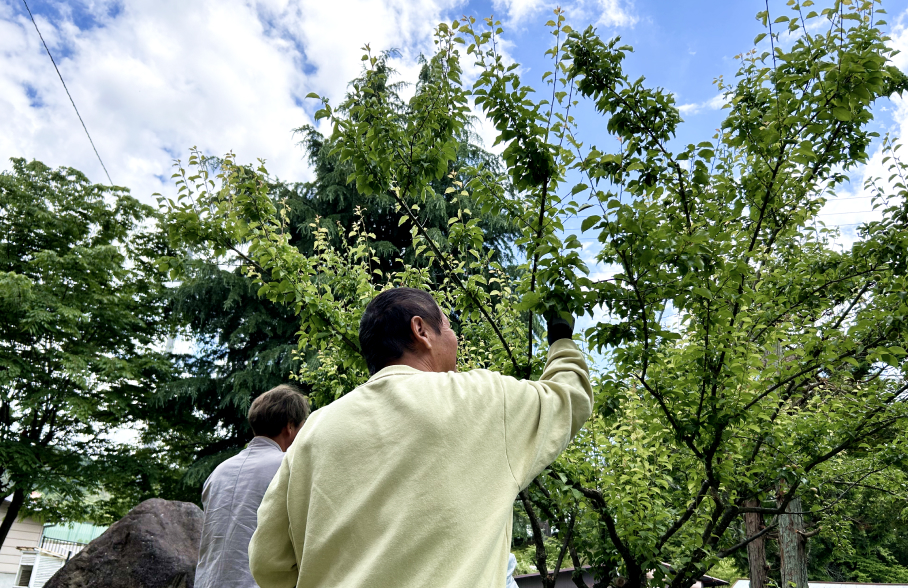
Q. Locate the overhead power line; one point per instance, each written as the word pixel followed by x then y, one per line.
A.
pixel 71 101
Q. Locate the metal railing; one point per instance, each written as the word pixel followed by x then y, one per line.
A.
pixel 61 546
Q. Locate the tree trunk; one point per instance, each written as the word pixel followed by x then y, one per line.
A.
pixel 793 546
pixel 636 577
pixel 12 512
pixel 548 580
pixel 756 549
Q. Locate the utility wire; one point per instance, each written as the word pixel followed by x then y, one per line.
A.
pixel 67 92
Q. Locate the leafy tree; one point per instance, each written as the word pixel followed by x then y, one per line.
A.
pixel 246 344
pixel 83 309
pixel 783 352
pixel 853 519
pixel 859 530
pixel 742 355
pixel 866 537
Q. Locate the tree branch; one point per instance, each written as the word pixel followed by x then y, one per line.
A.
pixel 736 547
pixel 538 538
pixel 262 270
pixel 455 277
pixel 691 509
pixel 545 187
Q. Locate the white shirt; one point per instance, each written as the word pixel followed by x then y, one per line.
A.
pixel 510 582
pixel 231 497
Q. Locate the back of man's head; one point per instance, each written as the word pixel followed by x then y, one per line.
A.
pixel 270 412
pixel 384 330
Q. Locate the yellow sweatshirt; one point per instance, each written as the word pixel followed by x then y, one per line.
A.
pixel 409 480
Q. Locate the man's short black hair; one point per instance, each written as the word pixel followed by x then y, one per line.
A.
pixel 384 330
pixel 271 411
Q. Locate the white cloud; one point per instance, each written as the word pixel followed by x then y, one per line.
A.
pixel 690 108
pixel 852 204
pixel 899 41
pixel 714 103
pixel 152 78
pixel 615 13
pixel 519 10
pixel 605 13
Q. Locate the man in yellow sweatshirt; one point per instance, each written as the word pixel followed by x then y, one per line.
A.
pixel 410 479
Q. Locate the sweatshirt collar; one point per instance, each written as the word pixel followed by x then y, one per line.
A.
pixel 394 370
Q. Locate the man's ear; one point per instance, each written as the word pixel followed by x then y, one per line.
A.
pixel 420 331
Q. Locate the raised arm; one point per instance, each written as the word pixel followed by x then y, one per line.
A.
pixel 542 417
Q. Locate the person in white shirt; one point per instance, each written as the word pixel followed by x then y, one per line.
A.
pixel 233 492
pixel 510 582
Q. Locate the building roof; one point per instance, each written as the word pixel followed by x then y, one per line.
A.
pixel 745 583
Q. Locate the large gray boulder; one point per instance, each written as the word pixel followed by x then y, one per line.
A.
pixel 156 545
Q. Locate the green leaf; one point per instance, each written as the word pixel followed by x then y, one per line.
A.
pixel 589 222
pixel 529 300
pixel 842 114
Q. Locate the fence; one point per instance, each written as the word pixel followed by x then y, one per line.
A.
pixel 61 546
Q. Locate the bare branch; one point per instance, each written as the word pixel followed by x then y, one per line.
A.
pixel 538 538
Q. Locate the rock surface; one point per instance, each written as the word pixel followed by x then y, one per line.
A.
pixel 156 545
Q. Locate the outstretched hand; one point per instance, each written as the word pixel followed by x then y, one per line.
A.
pixel 558 327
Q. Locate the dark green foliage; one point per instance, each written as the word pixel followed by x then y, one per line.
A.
pixel 863 539
pixel 866 537
pixel 243 346
pixel 331 199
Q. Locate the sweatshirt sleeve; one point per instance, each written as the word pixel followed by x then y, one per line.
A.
pixel 272 558
pixel 542 417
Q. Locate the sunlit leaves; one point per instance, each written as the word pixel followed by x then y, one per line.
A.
pixel 83 312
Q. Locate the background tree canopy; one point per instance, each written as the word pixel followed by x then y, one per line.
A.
pixel 82 308
pixel 246 344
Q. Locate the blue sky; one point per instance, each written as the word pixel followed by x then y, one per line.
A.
pixel 153 78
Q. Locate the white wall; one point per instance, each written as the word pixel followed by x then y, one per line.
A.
pixel 45 567
pixel 24 533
